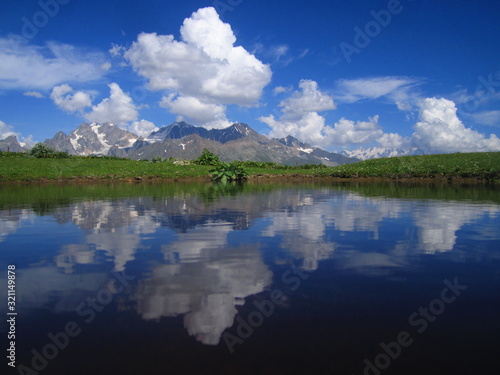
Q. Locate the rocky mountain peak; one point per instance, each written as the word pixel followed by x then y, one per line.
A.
pixel 11 144
pixel 291 141
pixel 176 130
pixel 92 138
pixel 184 141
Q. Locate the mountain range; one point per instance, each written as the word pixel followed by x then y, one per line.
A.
pixel 184 141
pixel 12 144
pixel 378 152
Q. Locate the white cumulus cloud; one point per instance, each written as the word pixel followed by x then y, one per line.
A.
pixel 116 50
pixel 393 140
pixel 346 132
pixel 439 130
pixel 309 99
pixel 308 128
pixel 6 130
pixel 300 118
pixel 27 66
pixel 68 100
pixel 204 64
pixel 142 128
pixel 118 109
pixel 202 113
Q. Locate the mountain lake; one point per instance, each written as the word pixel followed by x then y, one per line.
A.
pixel 259 278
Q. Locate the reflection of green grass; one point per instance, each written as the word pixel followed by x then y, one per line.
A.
pixel 477 193
pixel 16 167
pixel 44 198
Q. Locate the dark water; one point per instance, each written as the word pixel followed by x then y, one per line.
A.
pixel 253 279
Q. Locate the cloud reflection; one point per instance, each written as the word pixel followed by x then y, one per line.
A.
pixel 194 269
pixel 206 290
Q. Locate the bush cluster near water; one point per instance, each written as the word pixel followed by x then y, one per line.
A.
pixel 41 150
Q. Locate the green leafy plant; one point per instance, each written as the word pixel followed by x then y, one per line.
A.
pixel 41 150
pixel 229 172
pixel 157 159
pixel 207 158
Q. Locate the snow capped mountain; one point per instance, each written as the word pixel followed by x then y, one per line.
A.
pixel 184 141
pixel 181 129
pixel 12 144
pixel 377 152
pixel 295 143
pixel 236 142
pixel 175 131
pixel 93 138
pixel 233 132
pixel 328 158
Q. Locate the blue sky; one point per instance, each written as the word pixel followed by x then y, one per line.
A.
pixel 337 74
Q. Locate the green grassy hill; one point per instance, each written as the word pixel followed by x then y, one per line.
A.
pixel 19 167
pixel 480 165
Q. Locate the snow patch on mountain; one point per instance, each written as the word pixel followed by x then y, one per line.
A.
pixel 184 141
pixel 306 150
pixel 377 152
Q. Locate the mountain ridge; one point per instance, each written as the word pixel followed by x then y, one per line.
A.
pixel 236 142
pixel 12 144
pixel 92 138
pixel 181 140
pixel 378 152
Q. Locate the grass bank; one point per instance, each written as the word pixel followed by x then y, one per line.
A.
pixel 16 167
pixel 478 165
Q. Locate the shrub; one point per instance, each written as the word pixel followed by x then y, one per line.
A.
pixel 267 165
pixel 41 150
pixel 207 158
pixel 229 172
pixel 9 154
pixel 60 155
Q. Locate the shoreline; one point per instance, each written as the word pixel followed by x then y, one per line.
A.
pixel 257 178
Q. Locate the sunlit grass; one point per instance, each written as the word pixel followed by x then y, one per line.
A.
pixel 482 165
pixel 17 167
pixel 31 169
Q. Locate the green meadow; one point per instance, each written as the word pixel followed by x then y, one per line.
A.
pixel 17 167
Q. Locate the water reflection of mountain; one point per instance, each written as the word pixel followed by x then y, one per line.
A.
pixel 202 255
pixel 118 227
pixel 309 221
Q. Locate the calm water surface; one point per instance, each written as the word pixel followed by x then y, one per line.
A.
pixel 253 279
